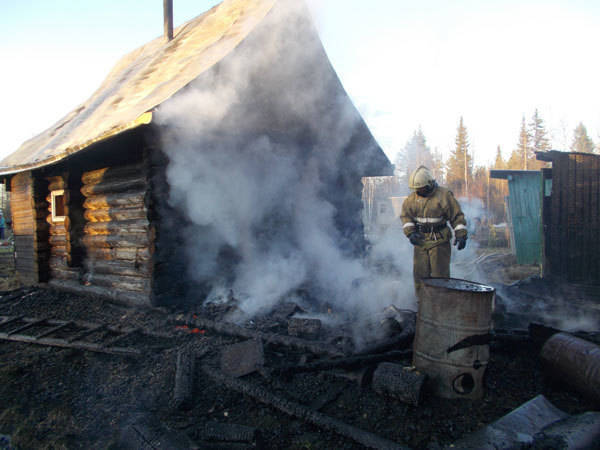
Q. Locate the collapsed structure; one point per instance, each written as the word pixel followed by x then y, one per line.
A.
pixel 94 207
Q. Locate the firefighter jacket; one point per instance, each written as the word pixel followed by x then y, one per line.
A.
pixel 429 215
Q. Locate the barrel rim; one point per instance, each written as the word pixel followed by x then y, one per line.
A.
pixel 484 288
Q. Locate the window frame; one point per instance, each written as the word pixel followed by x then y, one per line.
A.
pixel 53 195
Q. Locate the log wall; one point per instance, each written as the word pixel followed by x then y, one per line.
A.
pixel 28 212
pixel 117 238
pixel 61 238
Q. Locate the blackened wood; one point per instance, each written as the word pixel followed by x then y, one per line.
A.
pixel 402 340
pixel 540 333
pixel 242 358
pixel 294 409
pixel 125 297
pixel 562 236
pixel 572 231
pixel 394 380
pixel 307 328
pixel 146 432
pixel 27 326
pixel 183 392
pixel 112 173
pixel 595 244
pixel 228 432
pixel 53 342
pixel 120 282
pixel 126 254
pixel 84 333
pixel 120 200
pixel 114 226
pixel 586 238
pixel 59 228
pixel 64 273
pixel 124 240
pixel 56 183
pixel 53 330
pixel 350 362
pixel 330 395
pixel 128 268
pixel 580 215
pixel 106 187
pixel 232 329
pixel 58 239
pixel 109 214
pixel 121 337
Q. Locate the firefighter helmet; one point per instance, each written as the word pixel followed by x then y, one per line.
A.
pixel 420 178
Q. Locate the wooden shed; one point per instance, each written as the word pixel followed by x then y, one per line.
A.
pixel 89 195
pixel 571 216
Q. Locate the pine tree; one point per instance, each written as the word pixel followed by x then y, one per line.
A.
pixel 437 166
pixel 581 141
pixel 460 165
pixel 522 156
pixel 414 154
pixel 540 141
pixel 499 163
pixel 498 190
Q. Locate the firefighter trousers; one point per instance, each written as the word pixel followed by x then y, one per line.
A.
pixel 431 262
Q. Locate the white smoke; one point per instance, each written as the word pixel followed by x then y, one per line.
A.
pixel 251 154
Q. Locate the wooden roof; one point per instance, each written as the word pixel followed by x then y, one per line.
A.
pixel 142 80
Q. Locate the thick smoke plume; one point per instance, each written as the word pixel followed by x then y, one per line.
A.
pixel 255 146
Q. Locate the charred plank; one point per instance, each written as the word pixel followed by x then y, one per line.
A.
pixel 184 380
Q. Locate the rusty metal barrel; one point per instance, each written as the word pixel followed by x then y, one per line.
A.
pixel 451 344
pixel 575 361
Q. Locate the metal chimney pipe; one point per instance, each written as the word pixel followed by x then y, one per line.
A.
pixel 168 19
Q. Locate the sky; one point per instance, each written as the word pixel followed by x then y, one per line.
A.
pixel 405 64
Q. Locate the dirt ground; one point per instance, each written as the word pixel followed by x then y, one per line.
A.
pixel 57 398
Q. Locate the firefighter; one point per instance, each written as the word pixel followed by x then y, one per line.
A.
pixel 425 215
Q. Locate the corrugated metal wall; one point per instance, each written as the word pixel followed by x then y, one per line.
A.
pixel 573 246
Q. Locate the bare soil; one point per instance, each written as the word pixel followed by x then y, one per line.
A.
pixel 55 398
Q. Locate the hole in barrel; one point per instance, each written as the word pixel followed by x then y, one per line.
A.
pixel 464 383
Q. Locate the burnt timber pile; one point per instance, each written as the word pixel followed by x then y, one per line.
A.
pixel 282 391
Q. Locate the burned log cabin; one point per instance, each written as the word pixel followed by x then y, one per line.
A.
pixel 92 196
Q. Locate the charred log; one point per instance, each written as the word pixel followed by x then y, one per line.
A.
pixel 116 241
pixel 110 214
pixel 349 363
pixel 112 173
pixel 232 329
pixel 115 226
pixel 302 412
pixel 120 200
pixel 399 382
pixel 111 186
pixel 184 380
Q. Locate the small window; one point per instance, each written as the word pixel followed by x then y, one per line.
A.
pixel 58 206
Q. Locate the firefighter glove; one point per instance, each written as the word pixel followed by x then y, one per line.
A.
pixel 460 242
pixel 416 238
